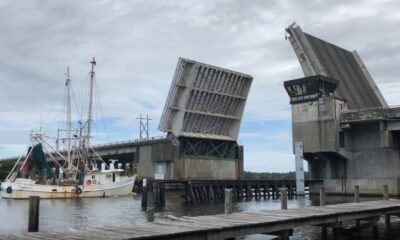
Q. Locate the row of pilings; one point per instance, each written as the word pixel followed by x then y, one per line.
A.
pixel 206 191
pixel 154 190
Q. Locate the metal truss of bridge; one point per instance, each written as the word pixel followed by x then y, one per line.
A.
pixel 205 101
pixel 202 114
pixel 318 57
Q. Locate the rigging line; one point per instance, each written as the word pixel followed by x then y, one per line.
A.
pixel 86 105
pixel 19 159
pixel 97 94
pixel 80 100
pixel 98 155
pixel 51 156
pixel 41 111
pixel 74 100
pixel 51 116
pixel 56 102
pixel 54 150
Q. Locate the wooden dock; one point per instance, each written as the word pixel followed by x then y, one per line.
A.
pixel 225 226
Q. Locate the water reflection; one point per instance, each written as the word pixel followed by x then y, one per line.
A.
pixel 91 212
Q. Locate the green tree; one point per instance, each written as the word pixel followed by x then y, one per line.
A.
pixel 5 168
pixel 271 176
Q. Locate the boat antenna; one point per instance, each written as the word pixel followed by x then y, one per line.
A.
pixel 90 115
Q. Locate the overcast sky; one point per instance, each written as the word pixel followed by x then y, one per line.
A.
pixel 137 45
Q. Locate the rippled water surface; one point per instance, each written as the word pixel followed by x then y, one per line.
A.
pixel 75 213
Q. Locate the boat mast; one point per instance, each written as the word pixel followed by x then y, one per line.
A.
pixel 68 117
pixel 90 114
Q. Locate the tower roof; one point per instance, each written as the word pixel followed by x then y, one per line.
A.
pixel 310 88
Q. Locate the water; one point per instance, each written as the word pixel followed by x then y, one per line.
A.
pixel 92 212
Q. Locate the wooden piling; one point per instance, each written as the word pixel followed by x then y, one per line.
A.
pixel 241 192
pixel 273 192
pixel 217 192
pixel 228 201
pixel 324 232
pixel 257 188
pixel 144 194
pixel 202 195
pixel 284 199
pixel 33 220
pixel 386 197
pixel 150 210
pixel 375 232
pixel 211 193
pixel 385 192
pixel 186 192
pixel 144 198
pixel 235 193
pixel 205 192
pixel 276 189
pixel 196 194
pixel 162 195
pixel 356 194
pixel 265 191
pixel 322 200
pixel 357 199
pixel 191 194
pixel 387 220
pixel 248 193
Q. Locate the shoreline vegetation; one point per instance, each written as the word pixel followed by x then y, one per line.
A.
pixel 272 175
pixel 5 168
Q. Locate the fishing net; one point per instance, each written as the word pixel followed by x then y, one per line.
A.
pixel 39 159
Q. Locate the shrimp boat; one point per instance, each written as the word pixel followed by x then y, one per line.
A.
pixel 76 171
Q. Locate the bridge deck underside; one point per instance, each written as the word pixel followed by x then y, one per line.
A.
pixel 341 64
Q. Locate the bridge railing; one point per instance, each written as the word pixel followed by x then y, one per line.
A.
pixel 102 145
pixel 144 140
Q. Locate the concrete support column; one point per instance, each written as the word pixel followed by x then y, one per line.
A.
pixel 385 135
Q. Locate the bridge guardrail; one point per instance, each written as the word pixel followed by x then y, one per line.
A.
pixel 109 144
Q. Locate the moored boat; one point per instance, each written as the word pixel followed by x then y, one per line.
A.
pixel 77 171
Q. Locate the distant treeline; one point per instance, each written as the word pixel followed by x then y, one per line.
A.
pixel 5 168
pixel 272 175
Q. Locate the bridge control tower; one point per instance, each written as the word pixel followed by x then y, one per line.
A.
pixel 350 135
pixel 316 123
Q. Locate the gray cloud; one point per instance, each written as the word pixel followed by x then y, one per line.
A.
pixel 137 44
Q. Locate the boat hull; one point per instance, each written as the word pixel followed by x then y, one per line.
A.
pixel 25 190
